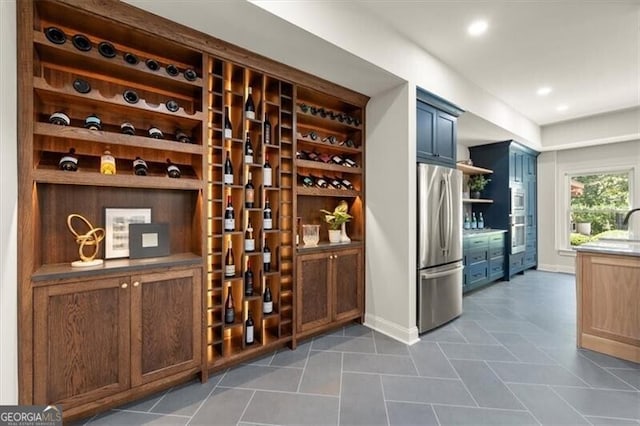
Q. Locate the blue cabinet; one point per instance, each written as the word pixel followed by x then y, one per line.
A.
pixel 483 258
pixel 436 130
pixel 514 167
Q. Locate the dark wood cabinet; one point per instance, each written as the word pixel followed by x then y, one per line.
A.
pixel 165 322
pixel 101 336
pixel 81 341
pixel 436 129
pixel 329 287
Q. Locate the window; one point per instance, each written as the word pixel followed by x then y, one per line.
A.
pixel 598 203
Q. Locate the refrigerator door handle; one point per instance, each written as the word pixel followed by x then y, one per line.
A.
pixel 431 275
pixel 441 215
pixel 449 215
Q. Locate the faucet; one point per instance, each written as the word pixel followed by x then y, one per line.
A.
pixel 629 213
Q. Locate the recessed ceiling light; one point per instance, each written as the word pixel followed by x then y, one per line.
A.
pixel 544 91
pixel 477 28
pixel 562 108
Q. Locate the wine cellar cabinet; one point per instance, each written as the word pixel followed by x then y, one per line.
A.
pixel 120 109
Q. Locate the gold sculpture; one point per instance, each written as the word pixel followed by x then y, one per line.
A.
pixel 91 239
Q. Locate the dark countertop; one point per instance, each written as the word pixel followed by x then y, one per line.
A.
pixel 472 232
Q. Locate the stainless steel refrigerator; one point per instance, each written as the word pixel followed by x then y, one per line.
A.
pixel 439 245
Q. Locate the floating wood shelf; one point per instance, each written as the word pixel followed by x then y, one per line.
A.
pixel 472 170
pixel 325 192
pixel 477 200
pixel 330 167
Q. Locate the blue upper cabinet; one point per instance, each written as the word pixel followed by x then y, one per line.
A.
pixel 436 137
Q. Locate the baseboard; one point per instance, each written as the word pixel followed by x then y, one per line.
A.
pixel 408 336
pixel 557 268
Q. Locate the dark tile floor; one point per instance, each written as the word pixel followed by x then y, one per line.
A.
pixel 510 359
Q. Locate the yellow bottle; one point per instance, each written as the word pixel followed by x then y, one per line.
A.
pixel 107 164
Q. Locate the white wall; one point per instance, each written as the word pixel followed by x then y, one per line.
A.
pixel 612 127
pixel 353 29
pixel 391 236
pixel 552 167
pixel 9 206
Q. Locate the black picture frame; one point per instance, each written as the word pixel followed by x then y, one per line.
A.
pixel 148 240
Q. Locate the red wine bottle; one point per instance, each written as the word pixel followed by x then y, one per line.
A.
pixel 249 239
pixel 267 301
pixel 228 129
pixel 248 150
pixel 267 220
pixel 249 193
pixel 266 257
pixel 229 263
pixel 267 172
pixel 267 130
pixel 249 106
pixel 228 170
pixel 248 336
pixel 229 217
pixel 229 312
pixel 248 280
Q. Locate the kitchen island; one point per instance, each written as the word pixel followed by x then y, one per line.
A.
pixel 608 298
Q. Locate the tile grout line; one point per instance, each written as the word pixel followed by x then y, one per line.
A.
pixel 608 372
pixel 386 409
pixel 246 406
pixel 459 378
pixel 460 333
pixel 375 346
pixel 510 410
pixel 413 361
pixel 161 398
pixel 340 390
pixel 153 414
pixel 208 395
pixel 568 403
pixel 304 369
pixel 435 414
pixel 512 393
pixel 279 391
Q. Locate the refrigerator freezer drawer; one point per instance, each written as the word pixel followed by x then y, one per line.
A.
pixel 439 296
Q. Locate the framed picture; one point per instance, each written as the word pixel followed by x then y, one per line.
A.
pixel 148 240
pixel 116 225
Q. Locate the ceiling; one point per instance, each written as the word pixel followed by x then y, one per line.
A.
pixel 587 51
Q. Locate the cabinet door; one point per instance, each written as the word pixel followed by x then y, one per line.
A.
pixel 81 341
pixel 165 324
pixel 347 279
pixel 425 122
pixel 445 137
pixel 532 202
pixel 516 166
pixel 313 307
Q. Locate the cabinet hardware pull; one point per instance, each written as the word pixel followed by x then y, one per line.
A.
pixel 124 285
pixel 136 283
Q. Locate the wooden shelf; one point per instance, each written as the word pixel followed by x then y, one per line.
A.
pixel 477 200
pixel 119 180
pixel 67 55
pixel 68 96
pixel 325 123
pixel 472 170
pixel 327 246
pixel 324 192
pixel 318 165
pixel 65 270
pixel 341 149
pixel 110 138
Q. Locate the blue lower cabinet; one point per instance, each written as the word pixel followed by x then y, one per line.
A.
pixel 483 258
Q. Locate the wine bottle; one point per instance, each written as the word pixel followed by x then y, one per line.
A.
pixel 267 220
pixel 313 156
pixel 249 240
pixel 107 163
pixel 248 280
pixel 228 129
pixel 333 182
pixel 320 182
pixel 267 301
pixel 480 221
pixel 172 170
pixel 311 135
pixel 467 222
pixel 127 129
pixel 267 130
pixel 350 163
pixel 346 184
pixel 93 122
pixel 69 162
pixel 324 157
pixel 249 193
pixel 248 336
pixel 229 263
pixel 306 180
pixel 267 172
pixel 266 257
pixel 229 216
pixel 250 107
pixel 336 159
pixel 331 139
pixel 248 150
pixel 474 222
pixel 228 169
pixel 140 167
pixel 229 311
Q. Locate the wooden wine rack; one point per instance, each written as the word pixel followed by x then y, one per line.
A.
pixel 161 320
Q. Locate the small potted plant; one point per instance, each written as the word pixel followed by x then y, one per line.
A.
pixel 476 184
pixel 336 220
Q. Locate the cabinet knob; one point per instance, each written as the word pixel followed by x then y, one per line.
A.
pixel 124 285
pixel 136 283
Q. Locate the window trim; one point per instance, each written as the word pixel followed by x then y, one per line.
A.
pixel 563 200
